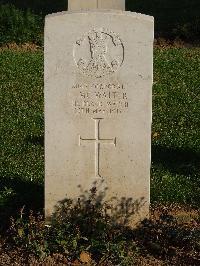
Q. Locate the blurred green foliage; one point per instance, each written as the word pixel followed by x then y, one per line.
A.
pixel 20 26
pixel 39 6
pixel 173 18
pixel 180 18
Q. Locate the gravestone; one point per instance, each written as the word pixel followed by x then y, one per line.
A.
pixel 98 105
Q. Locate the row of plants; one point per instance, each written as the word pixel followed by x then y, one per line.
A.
pixel 21 24
pixel 84 234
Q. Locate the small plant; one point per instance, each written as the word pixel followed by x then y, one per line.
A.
pixel 29 233
pixel 78 231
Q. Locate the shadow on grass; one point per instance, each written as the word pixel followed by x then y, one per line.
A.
pixel 176 160
pixel 36 140
pixel 17 194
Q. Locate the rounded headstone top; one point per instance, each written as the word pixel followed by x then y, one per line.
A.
pixel 75 5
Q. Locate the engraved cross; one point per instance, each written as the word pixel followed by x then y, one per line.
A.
pixel 98 141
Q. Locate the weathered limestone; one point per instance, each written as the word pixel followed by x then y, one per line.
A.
pixel 98 80
pixel 95 4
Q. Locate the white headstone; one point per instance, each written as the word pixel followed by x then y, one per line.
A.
pixel 98 87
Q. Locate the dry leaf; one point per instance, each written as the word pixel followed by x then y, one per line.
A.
pixel 85 257
pixel 156 135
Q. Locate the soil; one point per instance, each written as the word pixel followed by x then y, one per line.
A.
pixel 158 43
pixel 20 47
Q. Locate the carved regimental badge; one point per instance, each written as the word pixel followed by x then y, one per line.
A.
pixel 98 53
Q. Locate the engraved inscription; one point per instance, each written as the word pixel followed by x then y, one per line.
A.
pixel 99 98
pixel 98 53
pixel 97 141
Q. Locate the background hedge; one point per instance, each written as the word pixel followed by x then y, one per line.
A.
pixel 22 21
pixel 20 26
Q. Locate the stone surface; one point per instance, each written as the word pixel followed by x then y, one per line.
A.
pixel 95 4
pixel 98 87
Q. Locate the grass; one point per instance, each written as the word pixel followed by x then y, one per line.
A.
pixel 175 139
pixel 22 127
pixel 176 127
pixel 175 175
